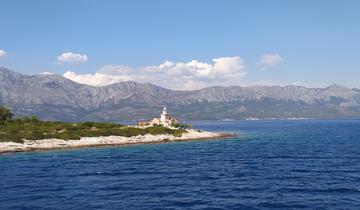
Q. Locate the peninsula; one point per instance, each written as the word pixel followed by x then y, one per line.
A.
pixel 30 134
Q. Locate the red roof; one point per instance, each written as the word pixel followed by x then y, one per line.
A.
pixel 143 123
pixel 152 121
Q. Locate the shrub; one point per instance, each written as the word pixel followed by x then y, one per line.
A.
pixel 67 136
pixel 164 130
pixel 187 126
pixel 34 119
pixel 35 135
pixel 26 119
pixel 158 130
pixel 128 132
pixel 180 125
pixel 5 114
pixel 17 121
pixel 11 137
pixel 176 124
pixel 178 133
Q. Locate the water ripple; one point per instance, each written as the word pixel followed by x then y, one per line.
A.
pixel 311 164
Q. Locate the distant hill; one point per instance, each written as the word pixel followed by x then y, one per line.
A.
pixel 53 97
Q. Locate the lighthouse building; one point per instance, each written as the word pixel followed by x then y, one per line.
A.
pixel 164 119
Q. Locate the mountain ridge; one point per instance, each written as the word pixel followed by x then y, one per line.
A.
pixel 54 97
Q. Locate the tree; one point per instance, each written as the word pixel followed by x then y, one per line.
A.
pixel 34 119
pixel 26 119
pixel 176 124
pixel 180 125
pixel 17 120
pixel 5 114
pixel 187 126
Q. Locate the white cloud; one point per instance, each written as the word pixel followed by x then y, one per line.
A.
pixel 97 79
pixel 297 83
pixel 269 60
pixel 192 75
pixel 3 53
pixel 46 73
pixel 72 57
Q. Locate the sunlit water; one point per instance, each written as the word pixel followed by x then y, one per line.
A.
pixel 311 164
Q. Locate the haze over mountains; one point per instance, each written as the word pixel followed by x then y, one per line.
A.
pixel 53 97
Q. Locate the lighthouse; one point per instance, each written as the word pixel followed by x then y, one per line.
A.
pixel 164 117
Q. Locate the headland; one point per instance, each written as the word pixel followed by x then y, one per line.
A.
pixel 56 144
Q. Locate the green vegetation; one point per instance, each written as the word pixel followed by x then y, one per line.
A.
pixel 180 125
pixel 5 114
pixel 17 129
pixel 164 130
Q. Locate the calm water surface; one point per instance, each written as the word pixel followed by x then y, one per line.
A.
pixel 307 164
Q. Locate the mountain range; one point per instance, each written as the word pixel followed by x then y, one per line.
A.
pixel 53 97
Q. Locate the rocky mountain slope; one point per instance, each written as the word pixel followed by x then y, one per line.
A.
pixel 53 97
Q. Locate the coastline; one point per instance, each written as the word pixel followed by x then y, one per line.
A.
pixel 57 144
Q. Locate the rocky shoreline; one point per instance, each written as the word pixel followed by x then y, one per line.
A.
pixel 55 144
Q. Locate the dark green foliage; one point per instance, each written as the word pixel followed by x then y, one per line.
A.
pixel 178 133
pixel 26 119
pixel 180 125
pixel 5 114
pixel 158 130
pixel 129 131
pixel 34 119
pixel 71 135
pixel 35 135
pixel 187 126
pixel 11 137
pixel 17 121
pixel 176 124
pixel 164 130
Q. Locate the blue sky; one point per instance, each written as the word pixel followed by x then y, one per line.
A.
pixel 311 43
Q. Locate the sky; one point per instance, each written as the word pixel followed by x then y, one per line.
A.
pixel 187 44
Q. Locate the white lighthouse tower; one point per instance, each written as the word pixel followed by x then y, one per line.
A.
pixel 164 117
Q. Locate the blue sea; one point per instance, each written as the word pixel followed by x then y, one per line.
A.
pixel 275 164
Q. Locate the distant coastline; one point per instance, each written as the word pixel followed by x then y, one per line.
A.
pixel 56 144
pixel 271 118
pixel 286 118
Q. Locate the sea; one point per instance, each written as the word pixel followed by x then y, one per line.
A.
pixel 269 164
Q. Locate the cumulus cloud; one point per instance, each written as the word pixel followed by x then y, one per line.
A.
pixel 270 60
pixel 72 57
pixel 3 53
pixel 97 79
pixel 183 76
